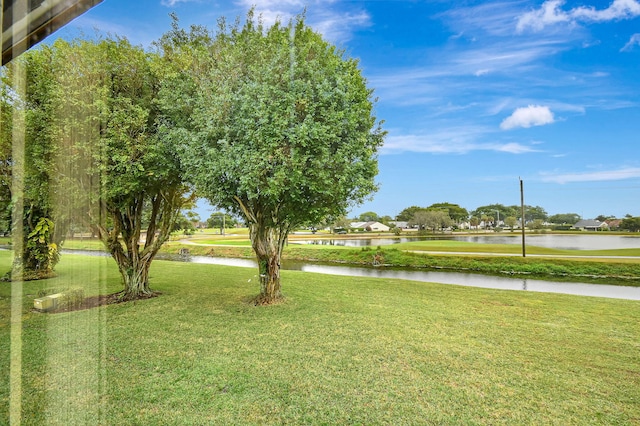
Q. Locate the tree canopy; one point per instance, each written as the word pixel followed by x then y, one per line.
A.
pixel 407 214
pixel 433 219
pixel 120 168
pixel 630 224
pixel 369 217
pixel 565 218
pixel 280 129
pixel 496 210
pixel 455 212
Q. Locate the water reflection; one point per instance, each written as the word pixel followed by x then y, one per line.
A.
pixel 455 278
pixel 563 242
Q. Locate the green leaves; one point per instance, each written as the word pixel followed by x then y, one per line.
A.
pixel 43 252
pixel 281 121
pixel 42 230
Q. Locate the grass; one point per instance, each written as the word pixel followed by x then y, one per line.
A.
pixel 594 270
pixel 339 351
pixel 468 247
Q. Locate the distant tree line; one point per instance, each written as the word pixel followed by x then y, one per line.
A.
pixel 489 216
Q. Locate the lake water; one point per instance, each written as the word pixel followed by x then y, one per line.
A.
pixel 456 278
pixel 566 242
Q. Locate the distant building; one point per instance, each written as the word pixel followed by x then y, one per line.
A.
pixel 614 223
pixel 370 226
pixel 399 224
pixel 591 225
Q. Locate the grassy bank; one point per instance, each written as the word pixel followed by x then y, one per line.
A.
pixel 596 270
pixel 338 351
pixel 559 265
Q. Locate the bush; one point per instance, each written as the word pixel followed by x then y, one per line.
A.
pixel 71 299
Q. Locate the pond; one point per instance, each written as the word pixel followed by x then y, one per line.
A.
pixel 456 278
pixel 565 242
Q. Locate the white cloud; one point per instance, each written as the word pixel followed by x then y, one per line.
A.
pixel 335 24
pixel 533 115
pixel 493 18
pixel 548 14
pixel 172 3
pixel 512 148
pixel 449 141
pixel 340 26
pixel 619 9
pixel 597 176
pixel 551 13
pixel 635 39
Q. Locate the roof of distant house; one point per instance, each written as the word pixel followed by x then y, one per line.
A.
pixel 588 223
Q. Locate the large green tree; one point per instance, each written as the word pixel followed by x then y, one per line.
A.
pixel 221 220
pixel 431 219
pixel 408 213
pixel 28 156
pixel 496 210
pixel 281 130
pixel 565 218
pixel 456 213
pixel 130 189
pixel 630 224
pixel 531 212
pixel 369 217
pixel 511 222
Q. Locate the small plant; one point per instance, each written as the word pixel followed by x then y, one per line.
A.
pixel 44 251
pixel 71 299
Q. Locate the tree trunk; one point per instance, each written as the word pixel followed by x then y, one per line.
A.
pixel 267 243
pixel 135 277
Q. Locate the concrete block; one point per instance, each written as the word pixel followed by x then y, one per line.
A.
pixel 43 303
pixel 48 302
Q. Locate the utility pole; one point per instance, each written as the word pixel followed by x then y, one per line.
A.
pixel 524 253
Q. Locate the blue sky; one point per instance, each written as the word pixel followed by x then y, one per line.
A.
pixel 475 94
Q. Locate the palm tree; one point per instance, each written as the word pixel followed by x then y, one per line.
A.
pixel 474 222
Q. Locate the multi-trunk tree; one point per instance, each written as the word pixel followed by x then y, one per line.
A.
pixel 120 169
pixel 280 129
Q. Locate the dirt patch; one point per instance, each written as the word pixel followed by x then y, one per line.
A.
pixel 95 301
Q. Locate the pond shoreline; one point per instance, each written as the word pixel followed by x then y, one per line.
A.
pixel 415 263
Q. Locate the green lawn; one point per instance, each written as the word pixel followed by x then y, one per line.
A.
pixel 339 351
pixel 468 247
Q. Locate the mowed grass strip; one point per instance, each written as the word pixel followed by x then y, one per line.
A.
pixel 470 247
pixel 339 350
